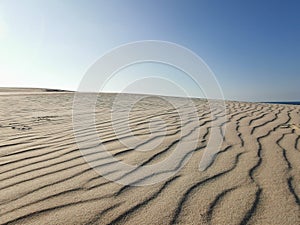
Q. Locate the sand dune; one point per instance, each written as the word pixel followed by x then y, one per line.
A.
pixel 253 179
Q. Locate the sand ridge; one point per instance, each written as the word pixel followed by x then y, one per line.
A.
pixel 254 178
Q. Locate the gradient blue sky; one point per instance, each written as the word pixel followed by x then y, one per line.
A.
pixel 253 47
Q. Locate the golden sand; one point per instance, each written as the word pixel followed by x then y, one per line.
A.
pixel 254 179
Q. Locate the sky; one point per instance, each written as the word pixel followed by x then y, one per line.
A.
pixel 252 47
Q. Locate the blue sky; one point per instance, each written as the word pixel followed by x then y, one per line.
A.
pixel 253 47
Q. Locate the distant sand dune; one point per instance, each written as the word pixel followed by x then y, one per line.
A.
pixel 254 178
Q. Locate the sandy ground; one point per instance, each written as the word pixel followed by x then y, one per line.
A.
pixel 254 178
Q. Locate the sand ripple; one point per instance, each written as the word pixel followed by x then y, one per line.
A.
pixel 253 179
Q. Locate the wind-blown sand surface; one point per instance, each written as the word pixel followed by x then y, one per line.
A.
pixel 254 178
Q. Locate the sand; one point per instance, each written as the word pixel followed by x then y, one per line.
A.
pixel 254 178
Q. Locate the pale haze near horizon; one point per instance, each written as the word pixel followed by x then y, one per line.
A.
pixel 252 46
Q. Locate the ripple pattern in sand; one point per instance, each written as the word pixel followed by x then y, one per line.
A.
pixel 253 179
